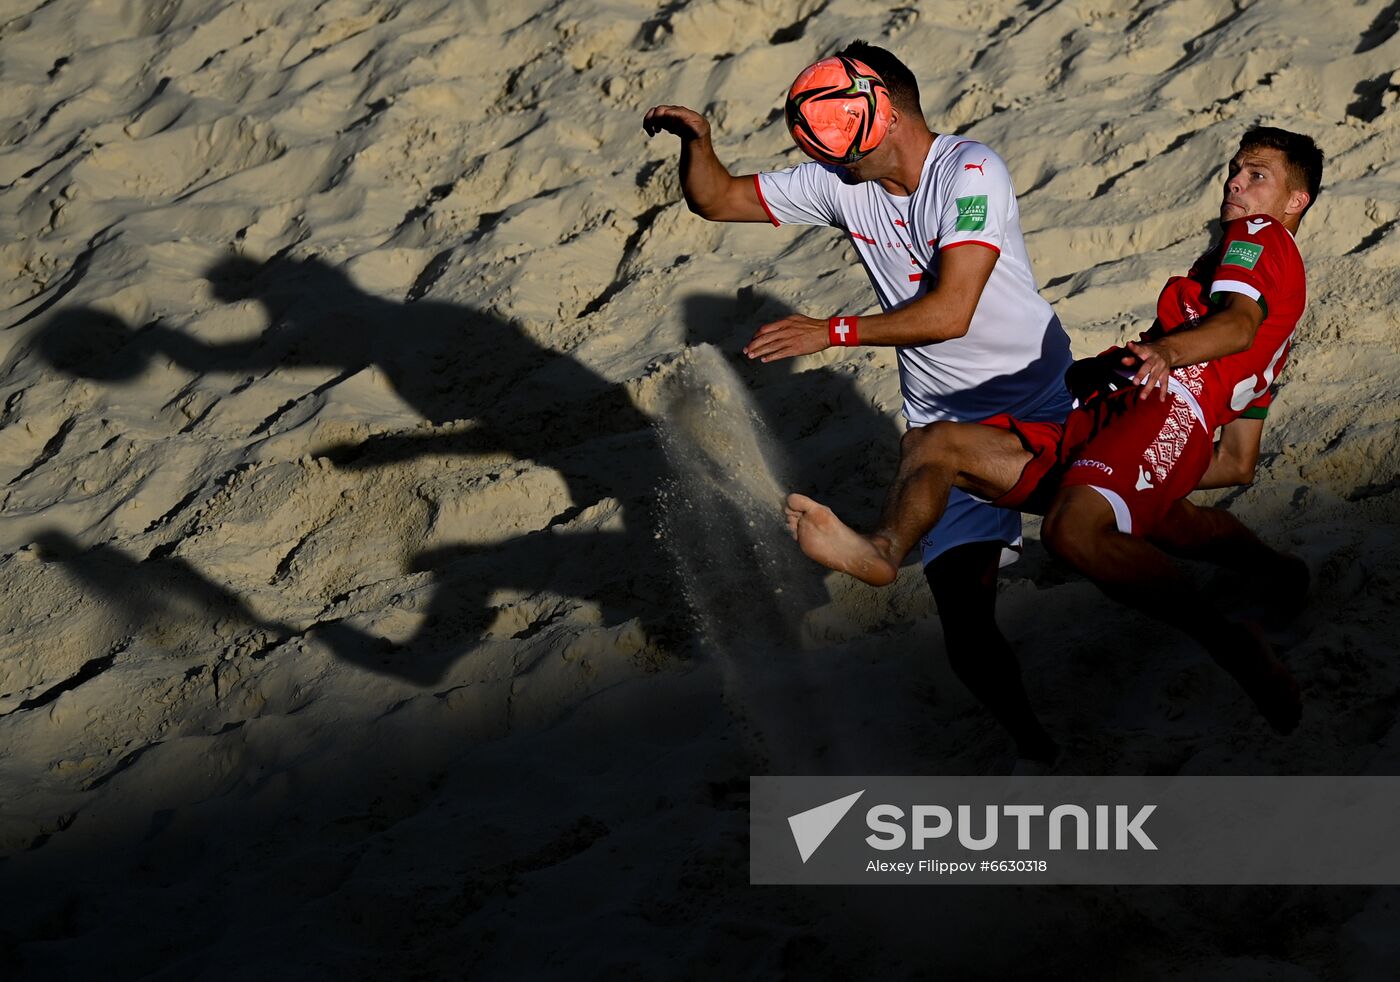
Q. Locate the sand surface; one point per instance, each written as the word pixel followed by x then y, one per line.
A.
pixel 393 573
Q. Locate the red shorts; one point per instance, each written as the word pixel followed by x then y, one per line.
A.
pixel 1142 455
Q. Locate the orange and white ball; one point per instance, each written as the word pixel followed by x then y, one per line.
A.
pixel 838 110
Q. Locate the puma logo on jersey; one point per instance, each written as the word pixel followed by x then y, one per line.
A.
pixel 1256 225
pixel 1144 481
pixel 976 167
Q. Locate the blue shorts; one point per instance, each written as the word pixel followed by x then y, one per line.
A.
pixel 968 519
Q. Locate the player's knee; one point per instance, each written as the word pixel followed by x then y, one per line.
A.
pixel 914 440
pixel 927 444
pixel 1071 531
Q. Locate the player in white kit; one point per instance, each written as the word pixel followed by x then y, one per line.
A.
pixel 933 218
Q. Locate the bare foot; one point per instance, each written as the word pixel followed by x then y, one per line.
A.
pixel 831 542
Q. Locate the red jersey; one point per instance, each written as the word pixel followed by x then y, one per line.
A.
pixel 1257 257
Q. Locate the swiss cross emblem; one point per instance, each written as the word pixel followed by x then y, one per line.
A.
pixel 842 329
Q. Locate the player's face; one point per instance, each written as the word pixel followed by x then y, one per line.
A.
pixel 872 166
pixel 878 162
pixel 1257 185
pixel 868 167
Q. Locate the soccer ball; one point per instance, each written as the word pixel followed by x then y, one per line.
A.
pixel 838 110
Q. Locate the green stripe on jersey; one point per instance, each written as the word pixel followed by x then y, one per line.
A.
pixel 1218 299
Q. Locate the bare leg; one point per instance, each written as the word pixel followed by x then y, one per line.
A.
pixel 1216 536
pixel 964 582
pixel 1081 530
pixel 982 459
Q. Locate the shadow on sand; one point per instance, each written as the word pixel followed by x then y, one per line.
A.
pixel 453 363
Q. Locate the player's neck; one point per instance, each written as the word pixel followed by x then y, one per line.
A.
pixel 1289 222
pixel 907 168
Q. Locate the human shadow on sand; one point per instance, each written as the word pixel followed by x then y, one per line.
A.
pixel 515 396
pixel 156 591
pixel 450 363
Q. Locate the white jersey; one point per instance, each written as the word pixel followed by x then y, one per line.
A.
pixel 1015 353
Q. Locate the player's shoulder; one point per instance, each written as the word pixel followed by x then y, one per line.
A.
pixel 1262 229
pixel 809 178
pixel 965 167
pixel 1246 240
pixel 969 156
pixel 809 170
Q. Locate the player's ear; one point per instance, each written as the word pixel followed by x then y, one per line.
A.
pixel 1297 201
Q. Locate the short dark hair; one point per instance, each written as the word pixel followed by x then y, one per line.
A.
pixel 899 80
pixel 1302 156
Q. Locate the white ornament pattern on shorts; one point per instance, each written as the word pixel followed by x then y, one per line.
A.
pixel 1193 377
pixel 1170 444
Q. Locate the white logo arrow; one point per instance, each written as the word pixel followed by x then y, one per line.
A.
pixel 810 828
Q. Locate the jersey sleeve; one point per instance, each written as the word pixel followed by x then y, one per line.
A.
pixel 801 195
pixel 1259 408
pixel 978 206
pixel 1182 301
pixel 1254 260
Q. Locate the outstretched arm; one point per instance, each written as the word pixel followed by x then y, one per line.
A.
pixel 945 312
pixel 1236 454
pixel 710 190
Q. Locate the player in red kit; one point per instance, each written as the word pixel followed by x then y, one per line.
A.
pixel 1112 477
pixel 1153 455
